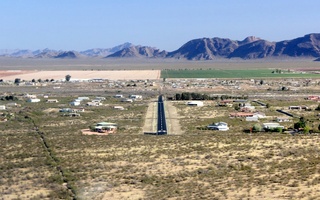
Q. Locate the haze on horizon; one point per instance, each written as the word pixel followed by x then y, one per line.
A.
pixel 80 25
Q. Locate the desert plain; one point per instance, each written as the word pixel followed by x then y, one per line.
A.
pixel 44 155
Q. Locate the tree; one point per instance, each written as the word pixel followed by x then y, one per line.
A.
pixel 17 81
pixel 261 82
pixel 178 96
pixel 68 77
pixel 302 123
pixel 257 128
pixel 318 108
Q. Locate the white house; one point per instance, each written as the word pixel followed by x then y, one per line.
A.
pixel 52 101
pixel 33 100
pixel 75 103
pixel 2 107
pixel 252 119
pixel 135 97
pixel 195 103
pixel 220 126
pixel 118 107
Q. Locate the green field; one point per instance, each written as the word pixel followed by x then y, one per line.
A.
pixel 249 73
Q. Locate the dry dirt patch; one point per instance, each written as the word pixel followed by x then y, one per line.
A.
pixel 85 74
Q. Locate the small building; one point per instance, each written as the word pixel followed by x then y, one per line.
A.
pixel 2 107
pixel 195 103
pixel 65 110
pixel 118 107
pixel 118 96
pixel 77 110
pixel 252 119
pixel 135 97
pixel 75 103
pixel 106 127
pixel 298 107
pixel 52 101
pixel 283 119
pixel 35 100
pixel 94 103
pixel 83 98
pixel 241 114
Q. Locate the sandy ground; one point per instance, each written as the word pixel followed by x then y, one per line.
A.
pixel 85 74
pixel 150 124
pixel 173 124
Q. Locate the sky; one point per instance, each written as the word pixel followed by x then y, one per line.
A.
pixel 166 24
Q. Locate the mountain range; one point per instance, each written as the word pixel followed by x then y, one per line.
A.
pixel 251 47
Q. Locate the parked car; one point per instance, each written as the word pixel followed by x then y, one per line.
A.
pixel 220 126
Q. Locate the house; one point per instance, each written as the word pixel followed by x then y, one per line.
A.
pixel 35 100
pixel 75 103
pixel 220 126
pixel 195 103
pixel 241 114
pixel 118 96
pixel 65 110
pixel 135 97
pixel 94 103
pixel 298 108
pixel 77 110
pixel 118 107
pixel 106 127
pixel 2 107
pixel 283 119
pixel 52 101
pixel 30 96
pixel 252 119
pixel 83 98
pixel 271 125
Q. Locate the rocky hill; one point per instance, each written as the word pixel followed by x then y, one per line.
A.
pixel 138 52
pixel 249 48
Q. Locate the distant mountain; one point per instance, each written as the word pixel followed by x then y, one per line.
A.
pixel 100 52
pixel 205 49
pixel 68 54
pixel 138 52
pixel 251 47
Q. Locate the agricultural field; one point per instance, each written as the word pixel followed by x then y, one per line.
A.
pixel 233 73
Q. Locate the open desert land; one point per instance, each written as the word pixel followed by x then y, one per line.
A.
pixel 45 155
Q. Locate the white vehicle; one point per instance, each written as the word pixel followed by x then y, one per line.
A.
pixel 220 126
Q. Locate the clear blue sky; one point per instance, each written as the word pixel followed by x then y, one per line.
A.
pixel 165 24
